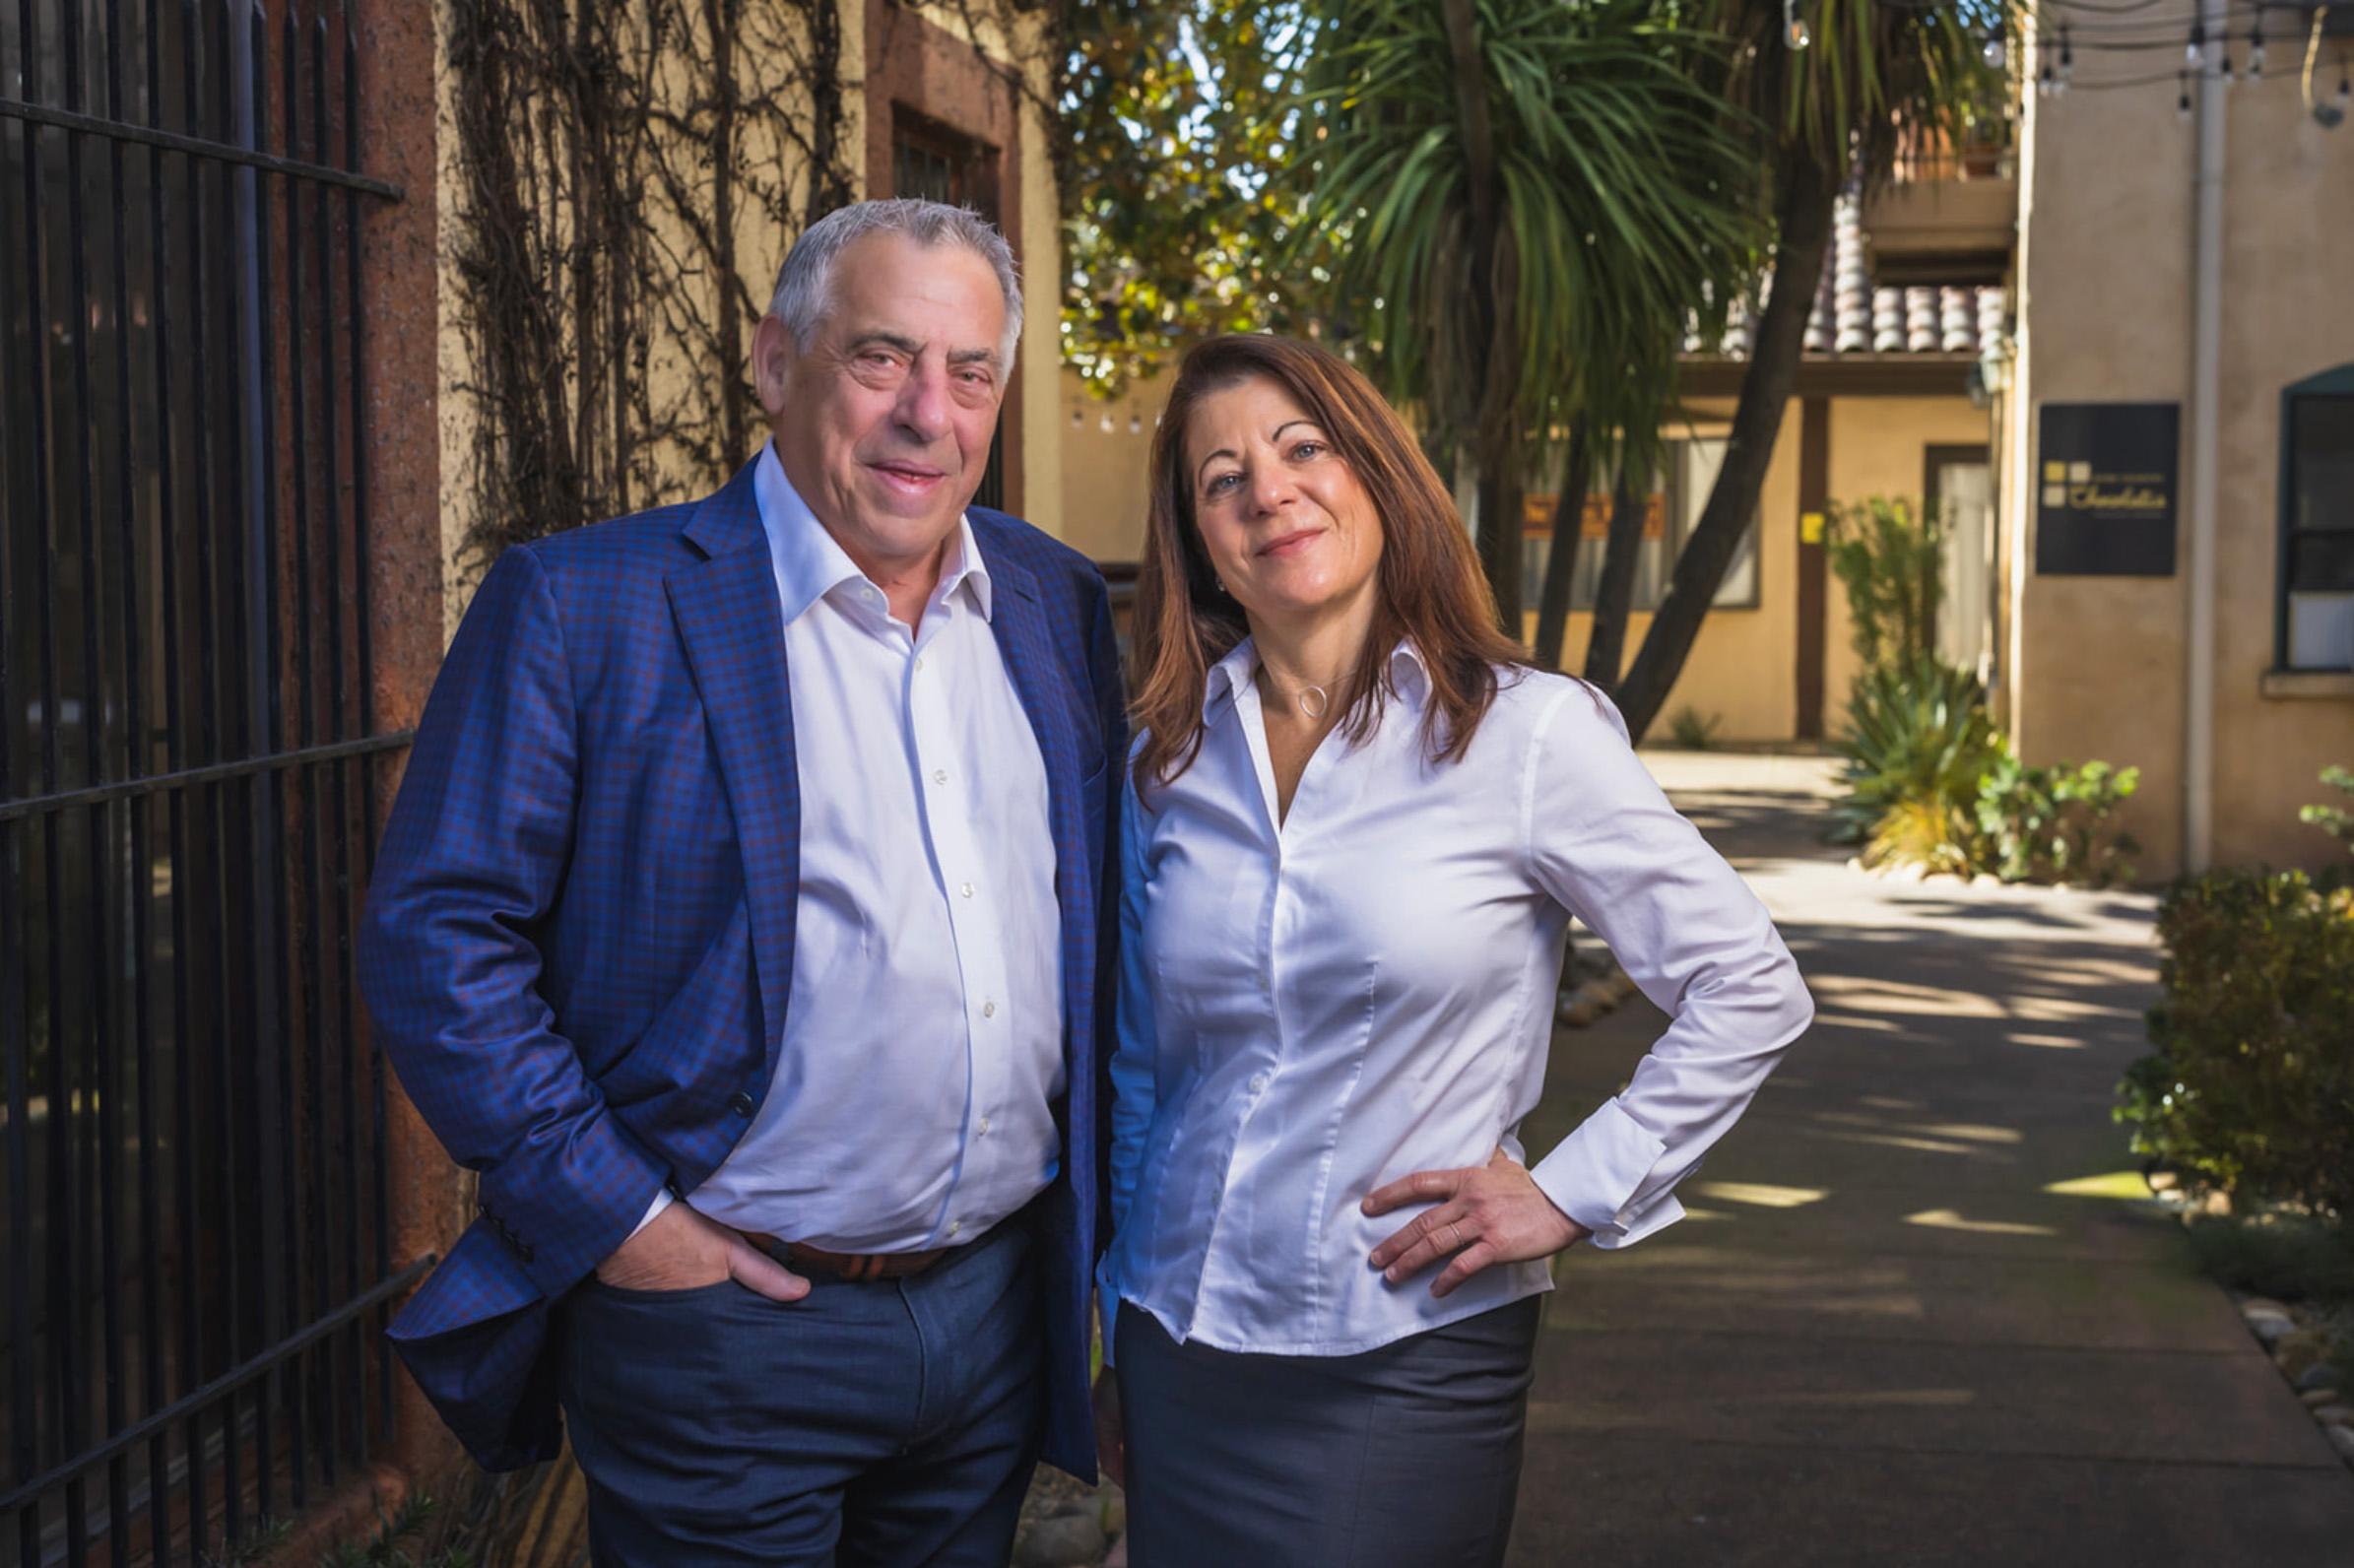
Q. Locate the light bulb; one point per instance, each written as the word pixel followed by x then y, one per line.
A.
pixel 1793 26
pixel 1995 54
pixel 2256 46
pixel 2194 54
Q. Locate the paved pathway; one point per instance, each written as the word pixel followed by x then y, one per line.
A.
pixel 1911 1318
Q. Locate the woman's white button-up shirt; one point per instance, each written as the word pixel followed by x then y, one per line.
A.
pixel 1311 1008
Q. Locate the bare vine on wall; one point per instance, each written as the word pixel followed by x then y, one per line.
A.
pixel 630 172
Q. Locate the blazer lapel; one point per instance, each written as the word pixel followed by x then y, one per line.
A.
pixel 1019 623
pixel 731 627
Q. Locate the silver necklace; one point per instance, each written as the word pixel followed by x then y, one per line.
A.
pixel 1314 700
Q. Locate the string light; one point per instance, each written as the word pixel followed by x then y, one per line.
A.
pixel 1793 26
pixel 2255 45
pixel 2067 60
pixel 2182 101
pixel 2194 54
pixel 1996 53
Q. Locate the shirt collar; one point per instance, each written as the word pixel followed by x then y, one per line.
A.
pixel 1231 674
pixel 809 563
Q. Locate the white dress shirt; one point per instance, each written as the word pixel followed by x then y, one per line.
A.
pixel 1312 1009
pixel 923 1047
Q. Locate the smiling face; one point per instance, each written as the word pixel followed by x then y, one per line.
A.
pixel 1288 528
pixel 884 421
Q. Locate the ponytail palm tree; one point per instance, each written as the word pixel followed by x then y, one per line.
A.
pixel 1831 112
pixel 1521 204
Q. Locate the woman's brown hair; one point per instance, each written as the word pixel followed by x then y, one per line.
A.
pixel 1429 585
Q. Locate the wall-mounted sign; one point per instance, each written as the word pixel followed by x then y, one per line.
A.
pixel 2105 490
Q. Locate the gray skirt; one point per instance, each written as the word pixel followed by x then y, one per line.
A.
pixel 1408 1456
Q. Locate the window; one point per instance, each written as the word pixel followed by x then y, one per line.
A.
pixel 930 161
pixel 2315 621
pixel 1672 511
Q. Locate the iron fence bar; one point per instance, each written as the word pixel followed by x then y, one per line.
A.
pixel 114 1016
pixel 205 801
pixel 227 1383
pixel 271 1063
pixel 81 1162
pixel 216 774
pixel 239 1161
pixel 14 954
pixel 175 141
pixel 308 1396
pixel 158 1387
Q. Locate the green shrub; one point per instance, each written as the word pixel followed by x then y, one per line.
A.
pixel 1891 560
pixel 2335 821
pixel 2250 1087
pixel 1691 730
pixel 2051 824
pixel 1917 734
pixel 2288 1257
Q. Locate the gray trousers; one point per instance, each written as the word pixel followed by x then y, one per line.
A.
pixel 1408 1456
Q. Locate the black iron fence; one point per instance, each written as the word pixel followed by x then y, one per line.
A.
pixel 192 1173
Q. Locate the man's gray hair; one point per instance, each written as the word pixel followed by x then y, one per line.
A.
pixel 805 282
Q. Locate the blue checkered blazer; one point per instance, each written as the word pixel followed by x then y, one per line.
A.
pixel 580 935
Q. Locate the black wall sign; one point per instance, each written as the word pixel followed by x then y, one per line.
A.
pixel 2105 490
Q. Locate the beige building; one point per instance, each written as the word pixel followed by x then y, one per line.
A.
pixel 2196 261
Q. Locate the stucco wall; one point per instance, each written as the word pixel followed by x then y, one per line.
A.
pixel 2107 306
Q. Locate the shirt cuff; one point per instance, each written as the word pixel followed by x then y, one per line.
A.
pixel 1594 1173
pixel 661 1200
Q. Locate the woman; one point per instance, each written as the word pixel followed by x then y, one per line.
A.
pixel 1358 826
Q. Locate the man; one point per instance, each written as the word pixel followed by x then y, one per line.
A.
pixel 740 922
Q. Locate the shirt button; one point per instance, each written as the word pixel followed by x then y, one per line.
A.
pixel 1258 1081
pixel 741 1104
pixel 966 890
pixel 988 1010
pixel 919 662
pixel 940 775
pixel 954 1225
pixel 983 1129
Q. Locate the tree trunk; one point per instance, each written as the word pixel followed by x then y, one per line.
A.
pixel 1808 189
pixel 1500 531
pixel 1490 326
pixel 1613 596
pixel 1560 567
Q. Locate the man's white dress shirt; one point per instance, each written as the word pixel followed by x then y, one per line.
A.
pixel 923 1048
pixel 1312 1009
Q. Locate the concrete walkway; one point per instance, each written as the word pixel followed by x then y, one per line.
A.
pixel 1916 1316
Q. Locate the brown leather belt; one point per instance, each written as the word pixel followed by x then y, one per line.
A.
pixel 859 1268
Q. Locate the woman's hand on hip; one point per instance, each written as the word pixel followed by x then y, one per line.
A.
pixel 1494 1214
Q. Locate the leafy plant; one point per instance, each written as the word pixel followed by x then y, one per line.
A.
pixel 1918 736
pixel 2250 1086
pixel 2050 824
pixel 2335 821
pixel 385 1548
pixel 1891 560
pixel 1693 730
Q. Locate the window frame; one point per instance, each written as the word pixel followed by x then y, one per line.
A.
pixel 2333 384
